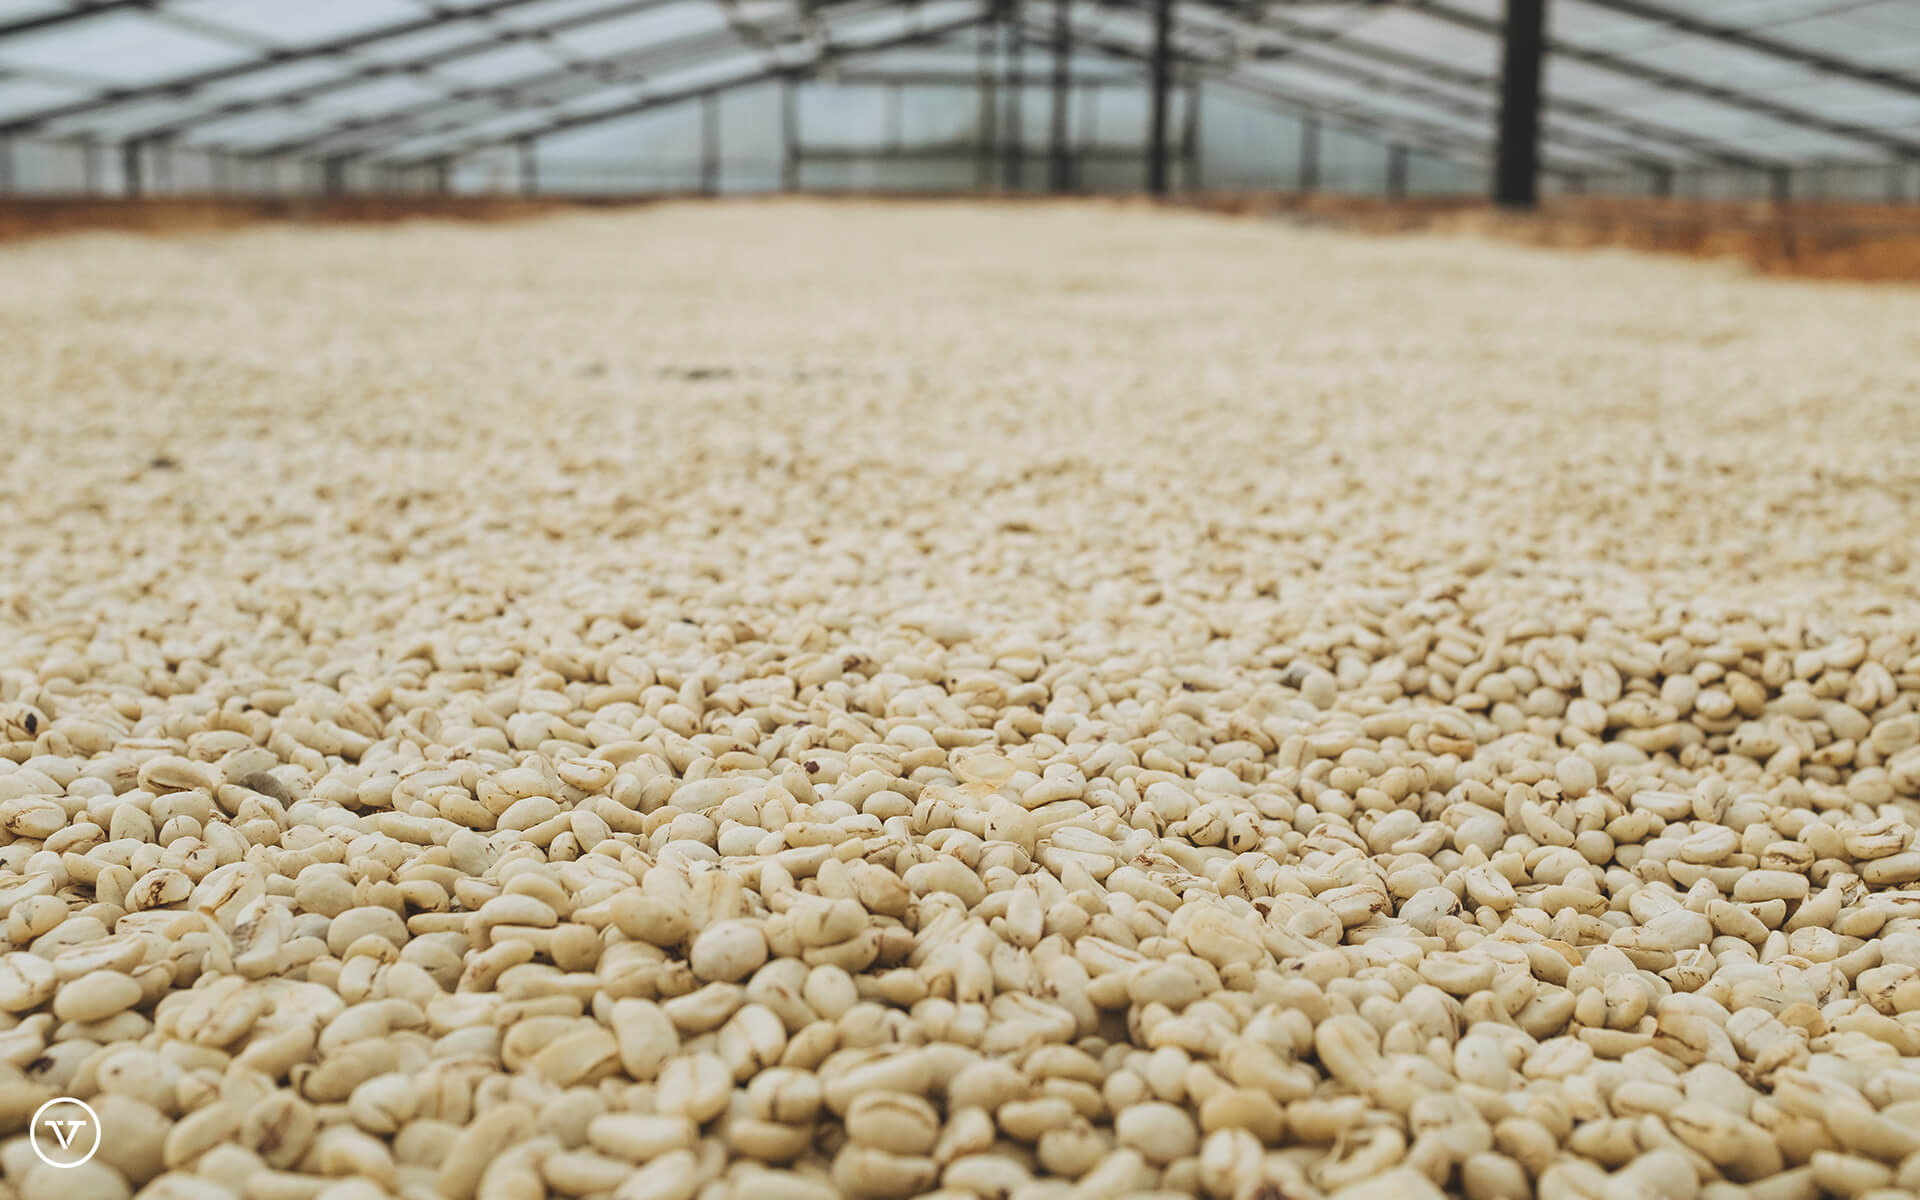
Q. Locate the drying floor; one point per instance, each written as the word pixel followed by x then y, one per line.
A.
pixel 778 699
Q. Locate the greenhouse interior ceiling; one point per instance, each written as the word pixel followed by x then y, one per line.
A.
pixel 1748 96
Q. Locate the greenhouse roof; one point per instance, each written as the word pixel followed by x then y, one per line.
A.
pixel 1629 83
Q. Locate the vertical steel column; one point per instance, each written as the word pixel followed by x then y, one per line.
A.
pixel 90 167
pixel 130 182
pixel 1014 172
pixel 442 176
pixel 1309 154
pixel 1396 170
pixel 1161 68
pixel 789 135
pixel 1060 174
pixel 710 144
pixel 1517 164
pixel 6 164
pixel 1897 181
pixel 989 113
pixel 890 134
pixel 1662 180
pixel 529 168
pixel 1190 137
pixel 1780 183
pixel 333 175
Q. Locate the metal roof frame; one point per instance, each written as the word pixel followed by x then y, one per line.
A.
pixel 62 16
pixel 1559 47
pixel 193 81
pixel 619 70
pixel 1481 85
pixel 371 72
pixel 1735 36
pixel 1440 141
pixel 828 53
pixel 1319 51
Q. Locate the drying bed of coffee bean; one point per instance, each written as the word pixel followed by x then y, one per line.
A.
pixel 790 700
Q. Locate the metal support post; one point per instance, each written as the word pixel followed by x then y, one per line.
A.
pixel 1060 174
pixel 1190 138
pixel 1780 183
pixel 710 144
pixel 7 181
pixel 131 182
pixel 90 167
pixel 1309 154
pixel 1396 170
pixel 1161 70
pixel 442 176
pixel 1517 162
pixel 1662 180
pixel 989 113
pixel 529 168
pixel 333 175
pixel 789 136
pixel 1014 171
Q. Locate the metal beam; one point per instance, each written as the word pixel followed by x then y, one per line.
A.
pixel 182 85
pixel 1686 84
pixel 1431 71
pixel 1474 106
pixel 789 136
pixel 1452 144
pixel 1733 35
pixel 66 15
pixel 829 53
pixel 1307 174
pixel 131 182
pixel 529 91
pixel 710 144
pixel 1161 68
pixel 362 134
pixel 1190 137
pixel 1516 168
pixel 1013 172
pixel 1060 157
pixel 989 110
pixel 412 67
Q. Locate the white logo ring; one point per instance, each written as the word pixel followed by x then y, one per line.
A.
pixel 33 1132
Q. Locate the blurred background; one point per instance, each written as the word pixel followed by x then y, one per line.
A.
pixel 1735 99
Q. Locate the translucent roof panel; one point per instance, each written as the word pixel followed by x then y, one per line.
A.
pixel 19 96
pixel 413 47
pixel 275 81
pixel 119 49
pixel 505 62
pixel 298 22
pixel 644 28
pixel 1679 81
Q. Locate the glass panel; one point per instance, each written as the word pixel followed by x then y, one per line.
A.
pixel 123 48
pixel 298 22
pixel 641 29
pixel 508 62
pixel 21 97
pixel 272 81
